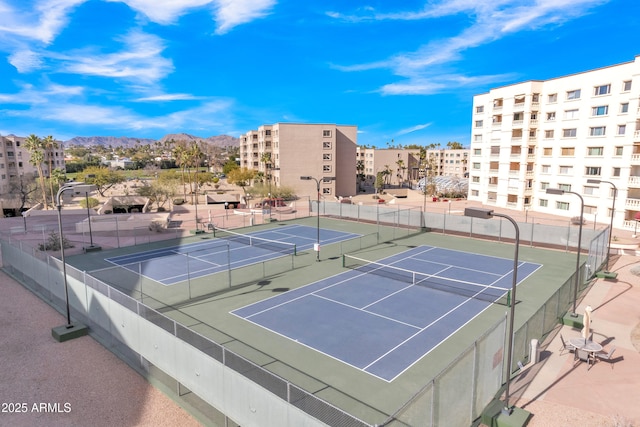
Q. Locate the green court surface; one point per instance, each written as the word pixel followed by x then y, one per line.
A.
pixel 205 307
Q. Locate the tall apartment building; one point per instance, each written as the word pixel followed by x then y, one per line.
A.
pixel 14 162
pixel 401 163
pixel 560 133
pixel 325 152
pixel 405 167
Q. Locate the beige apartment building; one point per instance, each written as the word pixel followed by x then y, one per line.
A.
pixel 578 133
pixel 287 151
pixel 404 164
pixel 14 163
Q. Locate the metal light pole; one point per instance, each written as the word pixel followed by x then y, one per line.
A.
pixel 487 214
pixel 613 212
pixel 577 273
pixel 309 178
pixel 66 332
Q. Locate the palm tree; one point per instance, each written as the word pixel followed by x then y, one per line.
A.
pixel 194 155
pixel 34 146
pixel 179 154
pixel 50 144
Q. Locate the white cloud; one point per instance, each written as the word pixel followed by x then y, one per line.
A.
pixel 231 13
pixel 169 97
pixel 490 21
pixel 25 61
pixel 163 11
pixel 42 22
pixel 414 129
pixel 140 60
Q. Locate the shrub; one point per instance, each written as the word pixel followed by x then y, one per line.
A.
pixel 53 243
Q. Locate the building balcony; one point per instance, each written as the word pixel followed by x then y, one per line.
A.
pixel 514 172
pixel 632 204
pixel 635 159
pixel 634 181
pixel 636 136
pixel 533 122
pixel 518 122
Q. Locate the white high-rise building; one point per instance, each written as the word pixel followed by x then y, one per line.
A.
pixel 560 134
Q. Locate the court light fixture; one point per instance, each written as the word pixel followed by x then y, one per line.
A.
pixel 558 191
pixel 483 213
pixel 70 330
pixel 325 179
pixel 607 274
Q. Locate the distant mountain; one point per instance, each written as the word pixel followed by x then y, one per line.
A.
pixel 124 141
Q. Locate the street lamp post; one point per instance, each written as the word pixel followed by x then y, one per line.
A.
pixel 487 214
pixel 69 330
pixel 577 273
pixel 309 178
pixel 613 212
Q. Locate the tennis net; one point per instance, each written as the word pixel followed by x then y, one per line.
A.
pixel 258 242
pixel 464 288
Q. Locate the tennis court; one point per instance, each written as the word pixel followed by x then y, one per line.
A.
pixel 382 317
pixel 228 250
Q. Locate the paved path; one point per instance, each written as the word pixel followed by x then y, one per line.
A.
pixel 81 381
pixel 560 392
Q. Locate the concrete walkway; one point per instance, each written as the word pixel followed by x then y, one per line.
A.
pixel 562 392
pixel 75 383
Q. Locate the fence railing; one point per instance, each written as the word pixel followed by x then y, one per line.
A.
pixel 441 402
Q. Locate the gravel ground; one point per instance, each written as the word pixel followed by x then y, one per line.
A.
pixel 75 383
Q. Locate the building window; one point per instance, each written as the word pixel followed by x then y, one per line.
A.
pixel 546 169
pixel 624 108
pixel 544 203
pixel 495 150
pixel 564 187
pixel 573 94
pixel 626 85
pixel 475 179
pixel 480 109
pixel 326 156
pixel 548 134
pixel 475 193
pixel 571 114
pixel 477 138
pixel 326 190
pixel 477 151
pixel 478 123
pixel 618 151
pixel 551 116
pixel 597 131
pixel 590 191
pixel 569 133
pixel 590 210
pixel 563 206
pixel 566 170
pixel 476 166
pixel 552 98
pixel 593 170
pixel 616 172
pixel 544 186
pixel 492 196
pixel 595 151
pixel 326 134
pixel 326 145
pixel 622 129
pixel 601 110
pixel 568 151
pixel 602 90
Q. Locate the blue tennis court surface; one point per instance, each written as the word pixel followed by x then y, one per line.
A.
pixel 178 263
pixel 375 320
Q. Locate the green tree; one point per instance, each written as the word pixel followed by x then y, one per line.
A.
pixel 103 178
pixel 50 144
pixel 453 145
pixel 35 146
pixel 241 177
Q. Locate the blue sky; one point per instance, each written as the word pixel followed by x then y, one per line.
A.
pixel 401 71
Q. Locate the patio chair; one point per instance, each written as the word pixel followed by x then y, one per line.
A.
pixel 607 356
pixel 566 346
